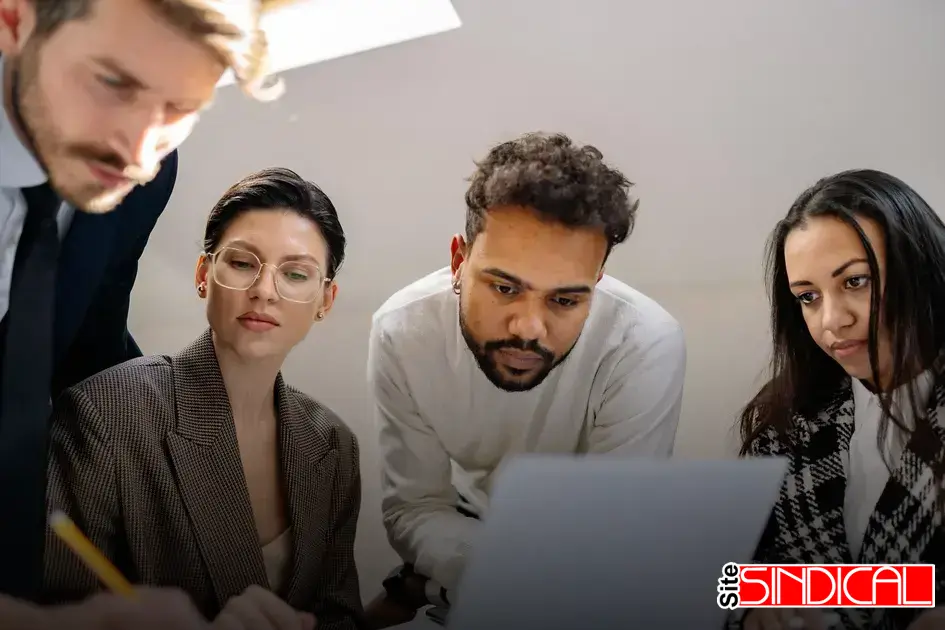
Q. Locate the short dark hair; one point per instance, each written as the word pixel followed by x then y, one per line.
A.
pixel 563 182
pixel 231 30
pixel 278 189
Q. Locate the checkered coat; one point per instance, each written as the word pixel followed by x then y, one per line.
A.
pixel 145 460
pixel 807 526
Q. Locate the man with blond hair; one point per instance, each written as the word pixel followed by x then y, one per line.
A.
pixel 97 96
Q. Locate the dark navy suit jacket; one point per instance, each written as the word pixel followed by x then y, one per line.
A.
pixel 97 269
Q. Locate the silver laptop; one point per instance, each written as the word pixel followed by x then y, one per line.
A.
pixel 600 543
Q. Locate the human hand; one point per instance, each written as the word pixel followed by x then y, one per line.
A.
pixel 150 609
pixel 259 609
pixel 789 619
pixel 929 620
pixel 384 612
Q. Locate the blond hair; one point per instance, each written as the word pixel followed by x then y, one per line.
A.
pixel 230 28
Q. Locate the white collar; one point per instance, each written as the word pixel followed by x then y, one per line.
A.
pixel 18 167
pixel 923 383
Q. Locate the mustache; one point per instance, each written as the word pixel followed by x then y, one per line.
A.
pixel 133 172
pixel 529 345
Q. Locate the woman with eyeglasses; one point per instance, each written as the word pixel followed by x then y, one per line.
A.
pixel 206 471
pixel 856 399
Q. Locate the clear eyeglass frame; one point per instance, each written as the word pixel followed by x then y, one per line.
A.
pixel 212 258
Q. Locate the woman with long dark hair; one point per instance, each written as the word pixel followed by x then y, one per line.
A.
pixel 856 399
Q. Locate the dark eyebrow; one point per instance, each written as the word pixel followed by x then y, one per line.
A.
pixel 302 257
pixel 126 77
pixel 577 288
pixel 836 272
pixel 241 244
pixel 498 273
pixel 492 271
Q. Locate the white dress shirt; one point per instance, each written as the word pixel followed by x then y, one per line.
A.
pixel 445 429
pixel 18 169
pixel 868 474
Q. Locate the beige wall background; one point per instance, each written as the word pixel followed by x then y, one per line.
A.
pixel 721 112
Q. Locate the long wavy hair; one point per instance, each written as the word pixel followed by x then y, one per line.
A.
pixel 910 303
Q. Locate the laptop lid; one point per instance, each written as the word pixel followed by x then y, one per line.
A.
pixel 601 543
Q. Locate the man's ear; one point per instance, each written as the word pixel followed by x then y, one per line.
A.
pixel 457 254
pixel 17 23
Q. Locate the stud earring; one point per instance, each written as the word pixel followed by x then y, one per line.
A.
pixel 320 315
pixel 456 287
pixel 201 289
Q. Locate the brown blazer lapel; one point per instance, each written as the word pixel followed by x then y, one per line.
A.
pixel 206 458
pixel 308 464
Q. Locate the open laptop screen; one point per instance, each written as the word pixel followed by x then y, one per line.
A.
pixel 601 543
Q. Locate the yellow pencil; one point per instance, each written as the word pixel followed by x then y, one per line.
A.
pixel 68 533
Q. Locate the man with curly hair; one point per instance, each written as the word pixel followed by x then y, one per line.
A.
pixel 521 345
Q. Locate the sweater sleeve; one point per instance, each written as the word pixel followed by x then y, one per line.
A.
pixel 642 401
pixel 418 499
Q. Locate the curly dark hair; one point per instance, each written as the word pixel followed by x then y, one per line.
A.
pixel 563 182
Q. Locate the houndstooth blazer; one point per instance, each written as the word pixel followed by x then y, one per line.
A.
pixel 807 523
pixel 145 460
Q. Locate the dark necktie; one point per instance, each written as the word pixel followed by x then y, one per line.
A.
pixel 25 385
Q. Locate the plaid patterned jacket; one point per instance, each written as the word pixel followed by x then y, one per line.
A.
pixel 145 460
pixel 807 526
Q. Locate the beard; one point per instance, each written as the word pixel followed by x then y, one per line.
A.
pixel 485 352
pixel 31 112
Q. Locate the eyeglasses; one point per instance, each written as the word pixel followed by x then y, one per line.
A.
pixel 296 281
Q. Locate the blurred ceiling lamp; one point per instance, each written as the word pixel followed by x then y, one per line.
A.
pixel 303 32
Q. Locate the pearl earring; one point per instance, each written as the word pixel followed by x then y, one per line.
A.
pixel 320 315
